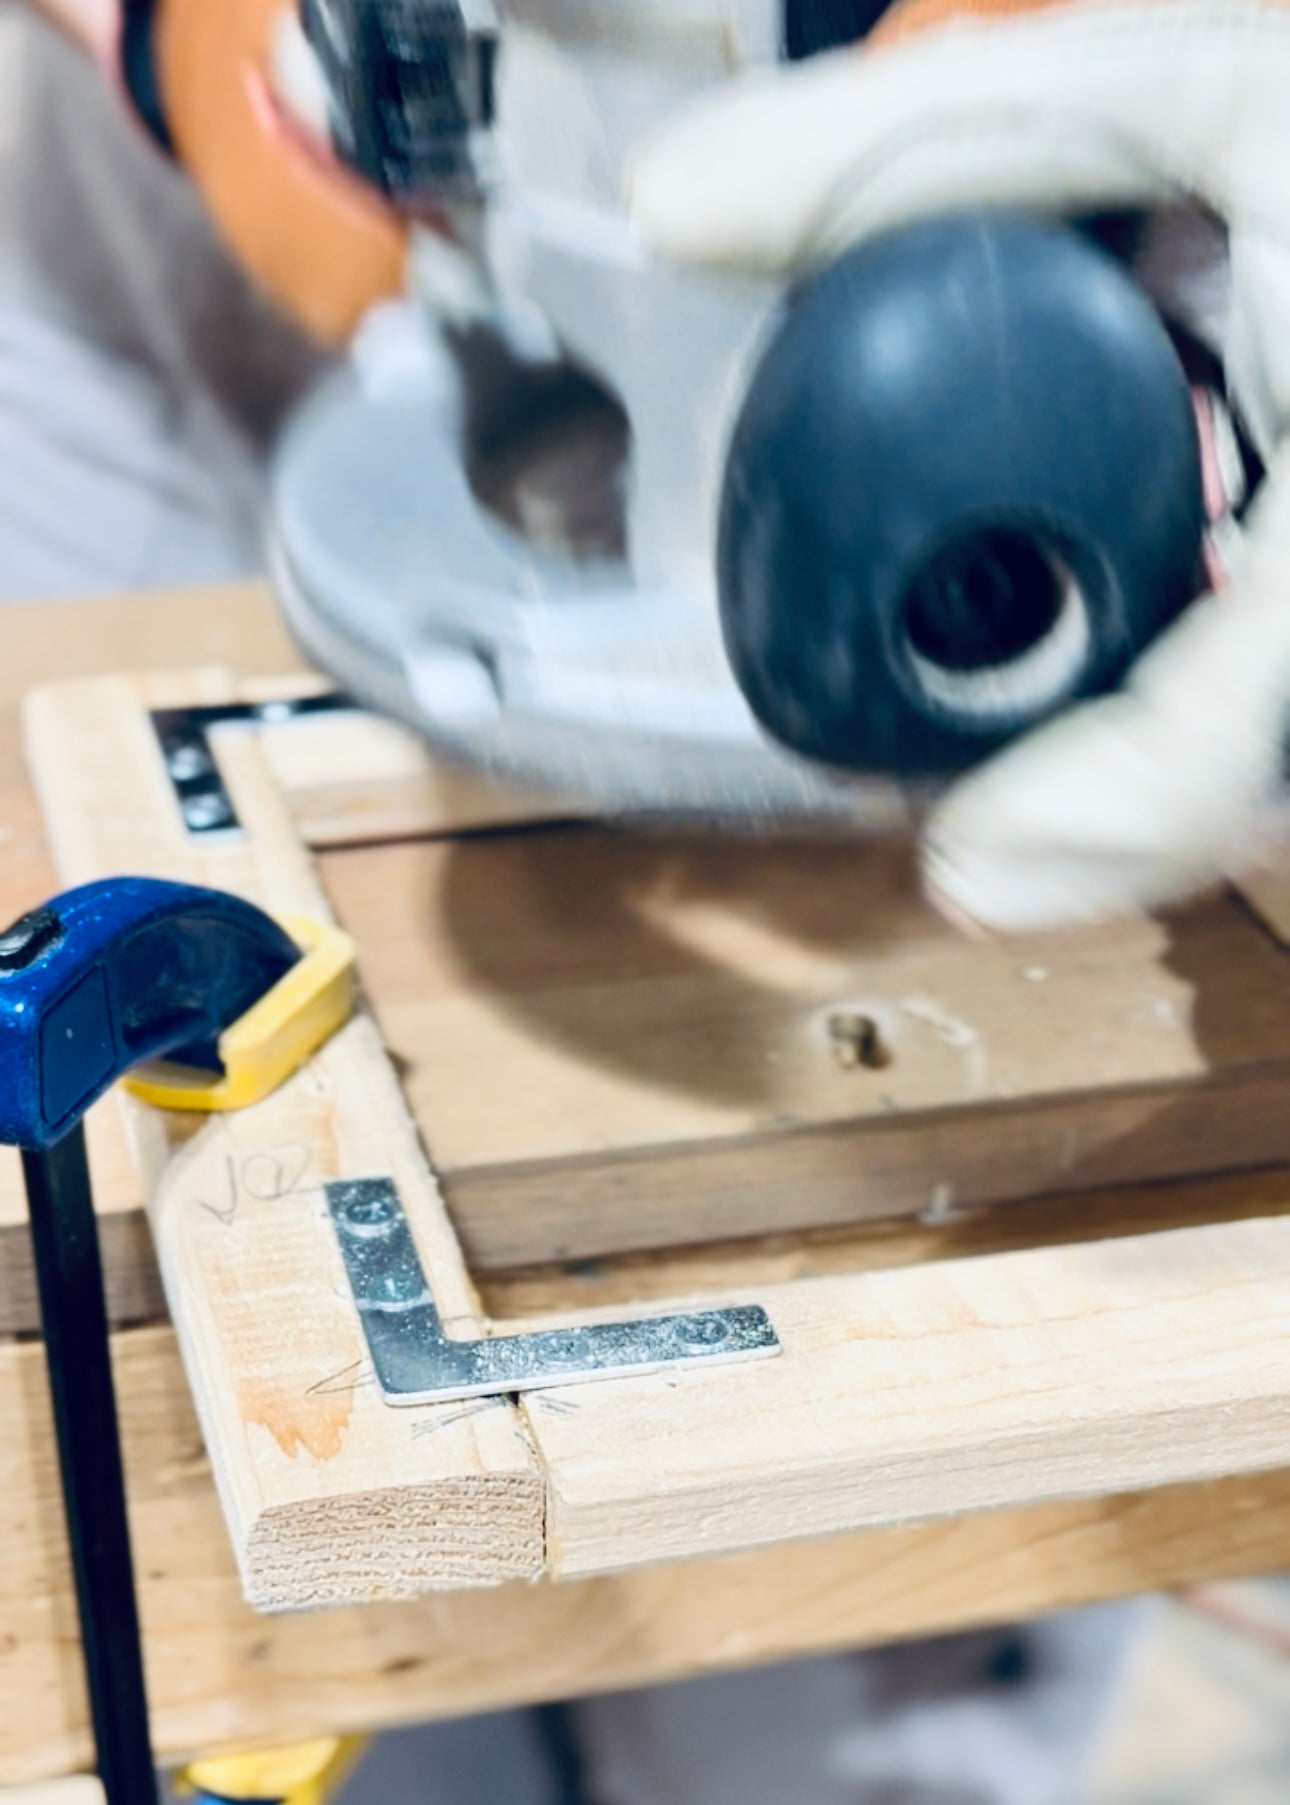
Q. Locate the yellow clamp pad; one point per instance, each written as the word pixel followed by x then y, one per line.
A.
pixel 306 1773
pixel 275 1036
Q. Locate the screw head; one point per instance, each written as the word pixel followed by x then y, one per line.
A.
pixel 701 1333
pixel 563 1347
pixel 403 1285
pixel 370 1213
pixel 202 813
pixel 184 763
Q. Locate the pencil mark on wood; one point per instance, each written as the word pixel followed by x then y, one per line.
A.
pixel 226 1213
pixel 354 1377
pixel 431 1425
pixel 274 1173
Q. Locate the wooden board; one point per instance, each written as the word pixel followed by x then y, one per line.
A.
pixel 1010 1380
pixel 79 1789
pixel 932 1391
pixel 219 1675
pixel 309 1459
pixel 655 1013
pixel 659 1014
pixel 222 1675
pixel 344 778
pixel 356 780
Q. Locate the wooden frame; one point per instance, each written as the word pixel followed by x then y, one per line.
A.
pixel 1013 1379
pixel 684 1046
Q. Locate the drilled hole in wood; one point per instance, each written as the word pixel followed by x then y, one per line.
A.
pixel 857 1042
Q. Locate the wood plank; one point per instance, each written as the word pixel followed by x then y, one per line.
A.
pixel 656 1013
pixel 360 780
pixel 220 1675
pixel 306 1455
pixel 728 1268
pixel 345 778
pixel 308 1459
pixel 922 1166
pixel 649 1469
pixel 79 1789
pixel 930 1391
pixel 153 630
pixel 374 781
pixel 744 1267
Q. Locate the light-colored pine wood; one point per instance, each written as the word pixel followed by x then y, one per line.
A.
pixel 79 1789
pixel 657 1013
pixel 729 1268
pixel 1010 1380
pixel 307 1458
pixel 219 1675
pixel 359 780
pixel 344 778
pixel 936 1390
pixel 329 1495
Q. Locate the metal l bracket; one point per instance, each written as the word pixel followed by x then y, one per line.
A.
pixel 184 737
pixel 416 1363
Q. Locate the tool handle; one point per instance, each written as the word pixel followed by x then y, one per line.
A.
pixel 115 973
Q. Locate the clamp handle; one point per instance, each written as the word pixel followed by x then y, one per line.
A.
pixel 115 973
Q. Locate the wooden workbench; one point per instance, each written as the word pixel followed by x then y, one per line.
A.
pixel 220 1674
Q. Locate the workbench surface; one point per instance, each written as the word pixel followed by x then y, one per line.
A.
pixel 219 1674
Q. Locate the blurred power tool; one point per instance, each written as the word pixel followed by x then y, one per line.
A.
pixel 687 544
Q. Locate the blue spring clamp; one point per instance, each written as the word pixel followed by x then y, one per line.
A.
pixel 93 984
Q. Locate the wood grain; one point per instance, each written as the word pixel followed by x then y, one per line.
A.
pixel 656 1012
pixel 930 1391
pixel 1005 1381
pixel 743 1267
pixel 220 1675
pixel 306 1456
pixel 344 778
pixel 728 1268
pixel 653 1016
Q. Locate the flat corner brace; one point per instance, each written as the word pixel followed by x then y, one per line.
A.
pixel 415 1362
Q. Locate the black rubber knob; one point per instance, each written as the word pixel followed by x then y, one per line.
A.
pixel 964 489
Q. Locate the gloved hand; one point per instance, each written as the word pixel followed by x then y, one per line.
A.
pixel 1147 795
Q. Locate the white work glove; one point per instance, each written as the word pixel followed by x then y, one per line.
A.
pixel 1148 795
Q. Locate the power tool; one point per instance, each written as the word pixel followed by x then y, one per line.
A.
pixel 688 543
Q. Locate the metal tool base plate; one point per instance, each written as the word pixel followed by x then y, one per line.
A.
pixel 416 1363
